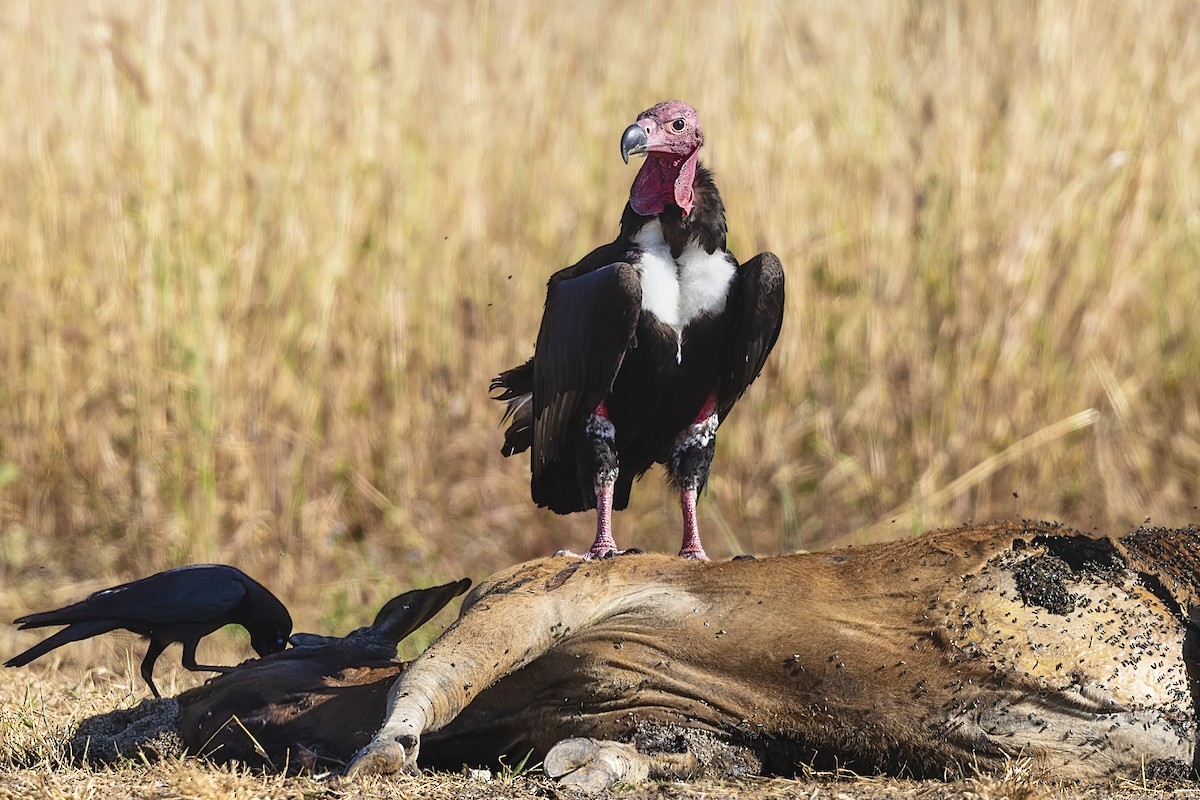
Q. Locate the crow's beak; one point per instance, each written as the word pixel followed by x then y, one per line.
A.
pixel 633 142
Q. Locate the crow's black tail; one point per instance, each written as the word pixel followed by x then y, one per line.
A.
pixel 71 633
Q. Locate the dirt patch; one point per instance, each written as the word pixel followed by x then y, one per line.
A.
pixel 691 753
pixel 147 731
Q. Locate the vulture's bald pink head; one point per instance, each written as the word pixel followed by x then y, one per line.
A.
pixel 670 136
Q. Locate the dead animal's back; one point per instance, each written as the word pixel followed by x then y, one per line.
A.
pixel 947 652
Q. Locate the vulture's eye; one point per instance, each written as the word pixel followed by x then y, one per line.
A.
pixel 677 125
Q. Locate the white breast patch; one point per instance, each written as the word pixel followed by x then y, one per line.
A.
pixel 660 281
pixel 679 290
pixel 704 280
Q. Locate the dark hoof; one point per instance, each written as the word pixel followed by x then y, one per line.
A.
pixel 744 557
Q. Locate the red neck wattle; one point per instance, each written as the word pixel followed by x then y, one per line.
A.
pixel 664 179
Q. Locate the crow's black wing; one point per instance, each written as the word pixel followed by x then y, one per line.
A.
pixel 185 594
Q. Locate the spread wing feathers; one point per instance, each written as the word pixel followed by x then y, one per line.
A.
pixel 589 323
pixel 515 387
pixel 758 310
pixel 184 594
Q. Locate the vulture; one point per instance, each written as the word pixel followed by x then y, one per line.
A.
pixel 645 344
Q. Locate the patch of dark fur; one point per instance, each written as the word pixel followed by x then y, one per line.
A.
pixel 1172 552
pixel 702 753
pixel 1191 660
pixel 1093 556
pixel 1156 588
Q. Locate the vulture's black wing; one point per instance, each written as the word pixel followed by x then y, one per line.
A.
pixel 758 310
pixel 588 325
pixel 514 387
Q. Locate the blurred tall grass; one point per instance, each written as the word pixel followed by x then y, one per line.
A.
pixel 259 261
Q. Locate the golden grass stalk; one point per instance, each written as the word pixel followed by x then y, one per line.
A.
pixel 257 269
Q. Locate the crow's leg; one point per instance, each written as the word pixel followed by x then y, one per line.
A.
pixel 189 658
pixel 153 651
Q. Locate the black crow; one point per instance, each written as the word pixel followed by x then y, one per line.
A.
pixel 182 605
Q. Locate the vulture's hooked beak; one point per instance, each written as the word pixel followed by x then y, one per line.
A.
pixel 633 141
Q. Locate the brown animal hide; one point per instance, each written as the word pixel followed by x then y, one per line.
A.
pixel 931 656
pixel 313 703
pixel 941 654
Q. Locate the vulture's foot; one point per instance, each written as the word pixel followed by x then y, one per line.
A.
pixel 599 555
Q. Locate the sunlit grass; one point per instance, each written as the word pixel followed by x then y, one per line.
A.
pixel 257 268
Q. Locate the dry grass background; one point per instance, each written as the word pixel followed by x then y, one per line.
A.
pixel 258 264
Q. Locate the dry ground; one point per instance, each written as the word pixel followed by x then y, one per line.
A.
pixel 36 716
pixel 257 266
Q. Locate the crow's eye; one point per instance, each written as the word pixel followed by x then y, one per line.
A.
pixel 677 125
